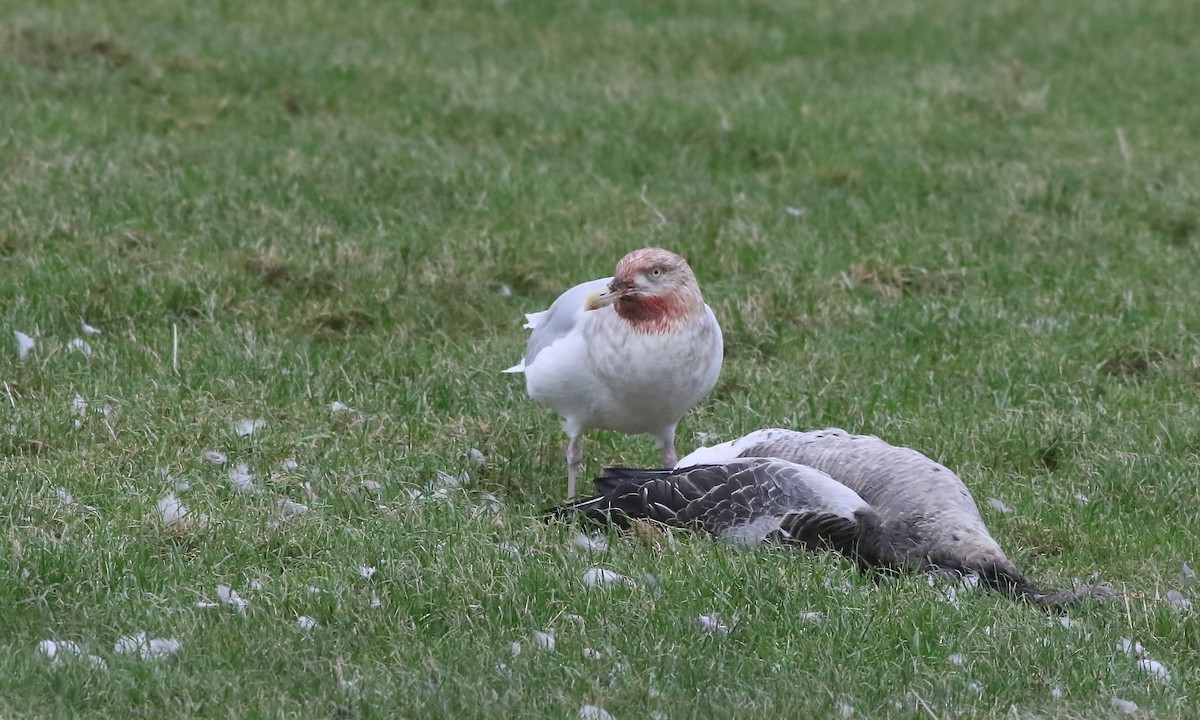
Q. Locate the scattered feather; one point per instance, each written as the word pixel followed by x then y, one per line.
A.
pixel 291 508
pixel 306 623
pixel 88 329
pixel 371 486
pixel 439 488
pixel 590 654
pixel 241 479
pixel 490 503
pixel 375 601
pixel 1125 706
pixel 64 496
pixel 1056 693
pixel 1068 623
pixel 795 211
pixel 1187 573
pixel 956 659
pixel 811 617
pixel 516 649
pixel 999 506
pixel 1082 499
pixel 246 426
pixel 80 346
pixel 289 465
pixel 79 406
pixel 1178 600
pixel 594 712
pixel 1155 669
pixel 594 543
pixel 1146 663
pixel 57 650
pixel 205 604
pixel 577 619
pixel 710 624
pixel 477 457
pixel 229 596
pixel 844 586
pixel 256 585
pixel 595 577
pixel 844 710
pixel 366 571
pixel 147 648
pixel 313 590
pixel 172 511
pixel 543 640
pixel 214 457
pixel 505 290
pixel 342 410
pixel 510 548
pixel 24 345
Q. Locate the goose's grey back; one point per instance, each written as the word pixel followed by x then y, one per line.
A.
pixel 926 511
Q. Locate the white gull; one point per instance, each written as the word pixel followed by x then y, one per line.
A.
pixel 630 353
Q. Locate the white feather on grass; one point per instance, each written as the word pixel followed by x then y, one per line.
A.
pixel 229 596
pixel 147 648
pixel 290 508
pixel 593 543
pixel 712 625
pixel 241 479
pixel 544 640
pixel 172 511
pixel 58 650
pixel 595 577
pixel 25 344
pixel 246 427
pixel 594 712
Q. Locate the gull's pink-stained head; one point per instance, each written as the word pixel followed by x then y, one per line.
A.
pixel 652 288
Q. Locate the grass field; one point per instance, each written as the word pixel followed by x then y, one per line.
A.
pixel 969 228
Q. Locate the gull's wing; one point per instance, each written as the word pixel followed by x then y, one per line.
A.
pixel 555 323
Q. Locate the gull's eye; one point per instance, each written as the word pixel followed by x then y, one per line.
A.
pixel 656 272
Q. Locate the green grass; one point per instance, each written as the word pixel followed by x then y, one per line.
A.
pixel 268 207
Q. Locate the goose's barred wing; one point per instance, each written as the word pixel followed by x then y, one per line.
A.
pixel 745 500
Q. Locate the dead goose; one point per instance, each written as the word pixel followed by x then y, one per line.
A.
pixel 927 517
pixel 744 500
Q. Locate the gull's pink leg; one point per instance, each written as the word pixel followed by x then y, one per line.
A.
pixel 666 441
pixel 574 461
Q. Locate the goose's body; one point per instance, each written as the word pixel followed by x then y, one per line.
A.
pixel 926 512
pixel 927 517
pixel 888 506
pixel 744 500
pixel 630 353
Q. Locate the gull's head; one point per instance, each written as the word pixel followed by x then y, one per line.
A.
pixel 650 284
